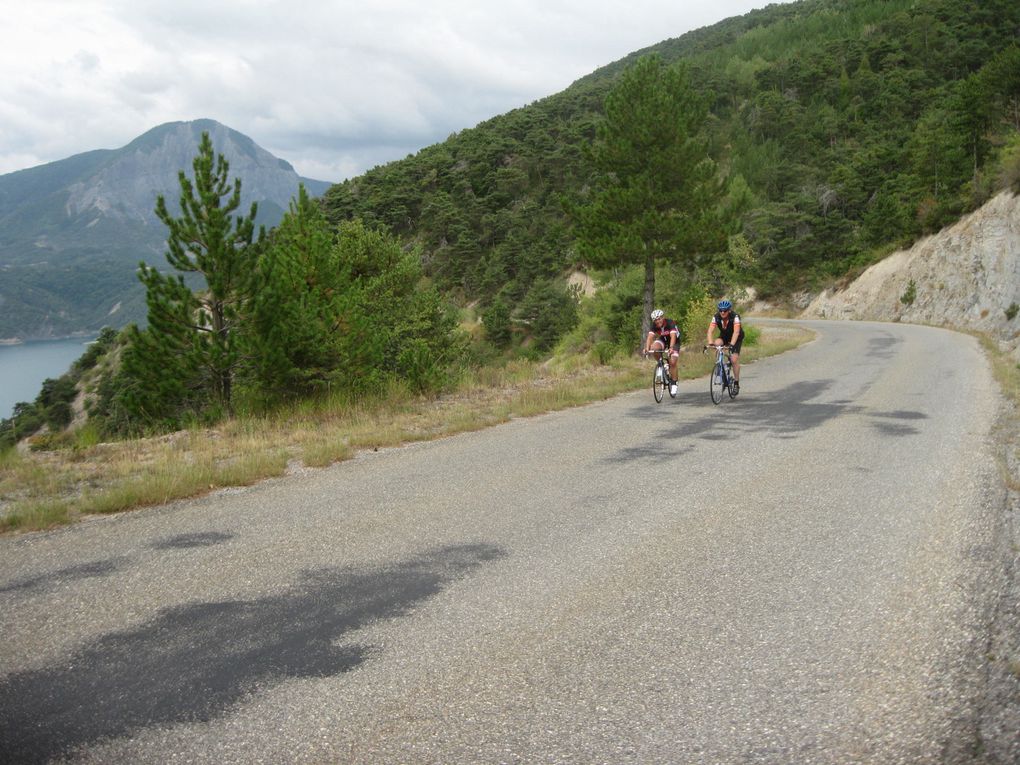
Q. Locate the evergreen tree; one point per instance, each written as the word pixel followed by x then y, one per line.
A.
pixel 496 320
pixel 293 336
pixel 658 190
pixel 187 357
pixel 390 326
pixel 342 313
pixel 550 311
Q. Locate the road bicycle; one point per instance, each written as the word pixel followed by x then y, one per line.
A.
pixel 721 378
pixel 661 379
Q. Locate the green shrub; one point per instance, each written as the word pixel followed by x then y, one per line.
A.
pixel 589 332
pixel 25 421
pixel 699 312
pixel 59 414
pixel 50 441
pixel 605 352
pixel 496 320
pixel 94 351
pixel 1008 164
pixel 910 294
pixel 549 310
pixel 420 368
pixel 612 314
pixel 87 436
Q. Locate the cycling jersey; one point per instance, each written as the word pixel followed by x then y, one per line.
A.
pixel 726 326
pixel 668 326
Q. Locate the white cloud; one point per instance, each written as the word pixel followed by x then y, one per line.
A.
pixel 334 87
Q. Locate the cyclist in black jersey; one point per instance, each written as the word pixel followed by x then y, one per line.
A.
pixel 730 333
pixel 665 336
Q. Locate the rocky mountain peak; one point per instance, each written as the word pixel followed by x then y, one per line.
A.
pixel 75 230
pixel 127 184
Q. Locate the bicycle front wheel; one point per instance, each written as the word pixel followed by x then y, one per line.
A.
pixel 658 383
pixel 715 383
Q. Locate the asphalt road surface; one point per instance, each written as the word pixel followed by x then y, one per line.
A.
pixel 802 575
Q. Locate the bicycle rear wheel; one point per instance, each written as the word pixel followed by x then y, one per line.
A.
pixel 658 383
pixel 715 383
pixel 731 389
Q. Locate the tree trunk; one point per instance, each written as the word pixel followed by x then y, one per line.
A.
pixel 646 320
pixel 223 363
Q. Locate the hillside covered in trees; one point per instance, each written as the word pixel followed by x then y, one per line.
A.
pixel 843 128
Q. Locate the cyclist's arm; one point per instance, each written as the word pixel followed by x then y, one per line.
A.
pixel 674 338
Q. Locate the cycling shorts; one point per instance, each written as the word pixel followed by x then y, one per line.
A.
pixel 665 347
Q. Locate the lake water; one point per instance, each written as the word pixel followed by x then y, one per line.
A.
pixel 24 367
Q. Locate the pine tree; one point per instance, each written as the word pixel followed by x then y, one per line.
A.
pixel 186 359
pixel 659 190
pixel 298 306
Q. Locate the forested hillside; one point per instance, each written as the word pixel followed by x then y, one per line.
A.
pixel 844 127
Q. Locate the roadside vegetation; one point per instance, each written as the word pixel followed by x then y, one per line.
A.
pixel 46 488
pixel 1007 374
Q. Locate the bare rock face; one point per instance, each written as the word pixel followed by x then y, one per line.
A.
pixel 966 276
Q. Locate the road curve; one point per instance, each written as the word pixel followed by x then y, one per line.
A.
pixel 803 574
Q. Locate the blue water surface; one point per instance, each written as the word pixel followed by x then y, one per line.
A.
pixel 24 367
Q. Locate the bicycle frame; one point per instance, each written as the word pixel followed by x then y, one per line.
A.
pixel 662 380
pixel 722 373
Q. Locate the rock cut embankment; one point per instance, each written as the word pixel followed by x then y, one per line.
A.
pixel 966 276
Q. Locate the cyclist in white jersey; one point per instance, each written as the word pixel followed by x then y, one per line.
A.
pixel 665 336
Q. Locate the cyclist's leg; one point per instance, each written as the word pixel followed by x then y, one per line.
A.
pixel 735 358
pixel 674 357
pixel 657 348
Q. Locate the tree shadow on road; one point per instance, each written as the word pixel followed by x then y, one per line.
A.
pixel 193 662
pixel 785 413
pixel 68 574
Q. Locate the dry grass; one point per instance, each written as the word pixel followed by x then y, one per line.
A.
pixel 43 489
pixel 1007 374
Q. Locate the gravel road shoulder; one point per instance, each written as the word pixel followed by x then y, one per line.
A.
pixel 999 726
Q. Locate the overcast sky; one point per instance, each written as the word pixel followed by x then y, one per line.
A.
pixel 335 86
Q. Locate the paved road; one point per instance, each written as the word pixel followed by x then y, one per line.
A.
pixel 802 575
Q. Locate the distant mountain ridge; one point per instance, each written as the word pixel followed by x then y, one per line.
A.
pixel 73 231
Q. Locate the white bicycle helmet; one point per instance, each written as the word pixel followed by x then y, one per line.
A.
pixel 657 314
